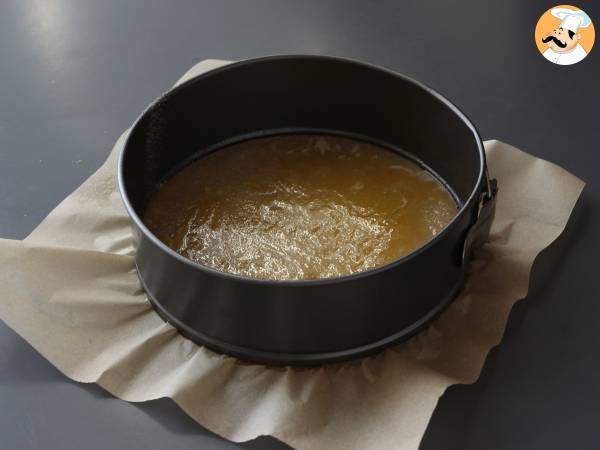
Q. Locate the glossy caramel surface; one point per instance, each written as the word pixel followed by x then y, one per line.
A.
pixel 298 207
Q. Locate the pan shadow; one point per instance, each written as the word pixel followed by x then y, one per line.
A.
pixel 458 412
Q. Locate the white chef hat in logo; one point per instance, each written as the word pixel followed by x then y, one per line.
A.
pixel 571 19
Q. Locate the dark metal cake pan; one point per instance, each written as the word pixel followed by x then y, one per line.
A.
pixel 306 321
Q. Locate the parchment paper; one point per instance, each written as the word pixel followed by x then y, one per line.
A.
pixel 70 290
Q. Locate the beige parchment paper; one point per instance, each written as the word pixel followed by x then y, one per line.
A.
pixel 71 291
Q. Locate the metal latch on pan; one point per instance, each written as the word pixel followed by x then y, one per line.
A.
pixel 480 230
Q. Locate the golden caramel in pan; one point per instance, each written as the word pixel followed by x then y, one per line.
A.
pixel 299 207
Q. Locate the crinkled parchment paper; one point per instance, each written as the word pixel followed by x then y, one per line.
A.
pixel 70 290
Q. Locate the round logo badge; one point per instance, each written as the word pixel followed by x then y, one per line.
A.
pixel 564 35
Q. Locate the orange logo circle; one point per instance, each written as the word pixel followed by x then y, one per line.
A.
pixel 564 35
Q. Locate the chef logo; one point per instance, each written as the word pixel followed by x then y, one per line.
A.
pixel 564 35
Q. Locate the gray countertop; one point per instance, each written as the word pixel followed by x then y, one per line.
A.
pixel 75 73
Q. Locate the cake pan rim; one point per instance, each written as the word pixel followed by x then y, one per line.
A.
pixel 466 206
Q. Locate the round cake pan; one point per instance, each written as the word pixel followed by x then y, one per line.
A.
pixel 306 321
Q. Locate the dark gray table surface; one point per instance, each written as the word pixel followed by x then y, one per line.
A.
pixel 75 73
